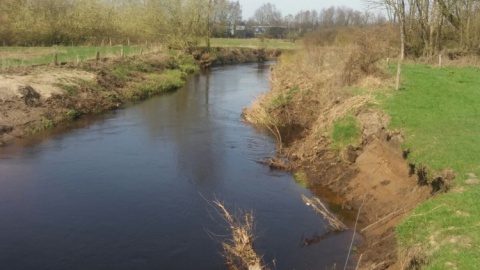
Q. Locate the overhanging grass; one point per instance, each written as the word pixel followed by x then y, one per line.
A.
pixel 438 111
pixel 154 84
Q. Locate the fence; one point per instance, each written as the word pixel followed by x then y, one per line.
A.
pixel 11 57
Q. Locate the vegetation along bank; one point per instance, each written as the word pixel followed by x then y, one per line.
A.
pixel 406 161
pixel 35 98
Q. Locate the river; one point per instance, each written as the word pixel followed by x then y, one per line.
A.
pixel 132 188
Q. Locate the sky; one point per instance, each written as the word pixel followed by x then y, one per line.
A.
pixel 294 6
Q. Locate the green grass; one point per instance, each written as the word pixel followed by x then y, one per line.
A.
pixel 126 70
pixel 155 84
pixel 251 43
pixel 438 111
pixel 27 56
pixel 282 99
pixel 346 131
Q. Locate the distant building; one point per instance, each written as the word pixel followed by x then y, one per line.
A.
pixel 270 31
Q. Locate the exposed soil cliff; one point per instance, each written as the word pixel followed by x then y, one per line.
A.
pixel 369 174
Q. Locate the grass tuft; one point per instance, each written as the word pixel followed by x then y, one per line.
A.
pixel 346 131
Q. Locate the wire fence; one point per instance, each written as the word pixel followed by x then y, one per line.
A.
pixel 12 57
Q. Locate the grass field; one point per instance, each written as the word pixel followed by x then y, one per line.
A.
pixel 438 111
pixel 27 56
pixel 252 43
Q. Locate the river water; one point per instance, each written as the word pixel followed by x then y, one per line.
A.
pixel 132 189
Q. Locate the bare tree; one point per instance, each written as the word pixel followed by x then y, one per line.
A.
pixel 268 14
pixel 398 6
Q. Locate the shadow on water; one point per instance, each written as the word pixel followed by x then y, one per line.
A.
pixel 131 189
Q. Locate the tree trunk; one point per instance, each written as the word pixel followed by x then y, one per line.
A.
pixel 208 25
pixel 448 14
pixel 401 17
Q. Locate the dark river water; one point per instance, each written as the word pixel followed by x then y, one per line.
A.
pixel 132 189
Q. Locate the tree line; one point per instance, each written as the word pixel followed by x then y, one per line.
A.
pixel 429 26
pixel 49 22
pixel 176 22
pixel 432 26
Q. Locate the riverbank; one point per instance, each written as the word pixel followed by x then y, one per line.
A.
pixel 341 143
pixel 326 109
pixel 37 98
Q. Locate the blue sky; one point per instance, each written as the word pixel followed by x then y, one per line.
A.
pixel 294 6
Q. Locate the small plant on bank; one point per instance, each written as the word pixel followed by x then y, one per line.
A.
pixel 71 89
pixel 189 68
pixel 47 124
pixel 301 178
pixel 72 115
pixel 283 99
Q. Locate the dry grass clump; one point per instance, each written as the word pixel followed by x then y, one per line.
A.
pixel 239 251
pixel 301 83
pixel 311 88
pixel 306 81
pixel 334 223
pixel 370 46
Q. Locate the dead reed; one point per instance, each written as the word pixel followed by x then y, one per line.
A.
pixel 238 251
pixel 317 205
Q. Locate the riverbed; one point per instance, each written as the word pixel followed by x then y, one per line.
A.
pixel 132 189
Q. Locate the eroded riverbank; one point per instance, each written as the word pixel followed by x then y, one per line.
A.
pixel 344 144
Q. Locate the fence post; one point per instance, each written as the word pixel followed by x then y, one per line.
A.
pixel 440 61
pixel 97 56
pixel 55 58
pixel 128 42
pixel 110 42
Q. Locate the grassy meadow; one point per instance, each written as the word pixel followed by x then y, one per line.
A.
pixel 28 56
pixel 438 112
